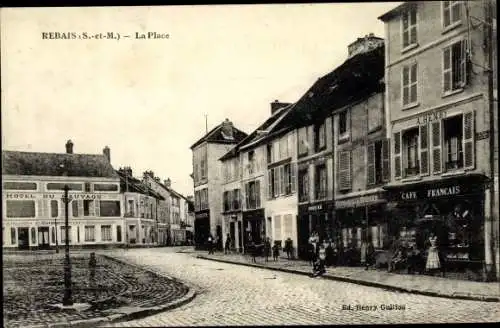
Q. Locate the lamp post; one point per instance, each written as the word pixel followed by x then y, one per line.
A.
pixel 67 300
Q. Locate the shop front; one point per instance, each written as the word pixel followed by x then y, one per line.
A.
pixel 450 209
pixel 318 217
pixel 254 226
pixel 361 218
pixel 233 227
pixel 201 229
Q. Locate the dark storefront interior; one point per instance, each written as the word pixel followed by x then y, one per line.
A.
pixel 202 231
pixel 254 226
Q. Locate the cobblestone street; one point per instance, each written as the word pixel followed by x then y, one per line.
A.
pixel 238 295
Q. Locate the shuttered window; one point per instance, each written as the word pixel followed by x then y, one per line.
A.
pixel 386 171
pixel 277 227
pixel 344 177
pixel 410 83
pixel 370 170
pixel 436 147
pixel 276 181
pixel 287 226
pixel 451 12
pixel 409 22
pixel 424 149
pixel 397 155
pixel 455 66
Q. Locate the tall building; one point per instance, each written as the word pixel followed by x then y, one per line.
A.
pixel 441 112
pixel 33 215
pixel 208 180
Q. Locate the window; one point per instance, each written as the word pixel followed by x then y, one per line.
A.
pixel 110 208
pixel 87 187
pixel 54 208
pixel 303 144
pixel 33 236
pixel 410 84
pixel 453 143
pixel 203 169
pixel 226 201
pixel 320 136
pixel 251 162
pixel 303 185
pixel 410 141
pixel 321 184
pixel 87 205
pixel 409 21
pixel 78 234
pixel 252 194
pixel 281 180
pixel 378 162
pixel 106 233
pixel 19 186
pixel 344 171
pixel 60 186
pixel 455 66
pixel 375 116
pixel 344 123
pixel 63 234
pixel 89 233
pixel 277 228
pixel 236 199
pixel 105 187
pixel 13 239
pixel 74 208
pixel 20 208
pixel 451 12
pixel 130 208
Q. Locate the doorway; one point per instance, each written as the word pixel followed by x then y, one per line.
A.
pixel 240 240
pixel 232 233
pixel 43 238
pixel 23 238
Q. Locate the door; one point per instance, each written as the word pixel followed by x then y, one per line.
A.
pixel 303 236
pixel 43 238
pixel 232 233
pixel 23 238
pixel 240 240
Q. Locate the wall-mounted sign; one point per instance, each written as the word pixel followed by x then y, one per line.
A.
pixel 359 201
pixel 430 117
pixel 321 207
pixel 431 193
pixel 91 196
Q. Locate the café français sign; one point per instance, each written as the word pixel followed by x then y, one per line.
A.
pixel 431 193
pixel 52 196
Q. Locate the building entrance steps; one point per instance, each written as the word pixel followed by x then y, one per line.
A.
pixel 417 284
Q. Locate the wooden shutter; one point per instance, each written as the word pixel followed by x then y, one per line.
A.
pixel 293 176
pixel 270 183
pixel 424 149
pixel 386 173
pixel 406 85
pixel 257 193
pixel 436 147
pixel 447 70
pixel 344 170
pixel 282 180
pixel 80 207
pixel 397 155
pixel 247 196
pixel 468 140
pixel 370 170
pixel 276 182
pixel 97 207
pixel 277 227
pixel 43 204
pixel 463 61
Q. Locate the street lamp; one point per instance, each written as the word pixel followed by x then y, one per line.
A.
pixel 67 300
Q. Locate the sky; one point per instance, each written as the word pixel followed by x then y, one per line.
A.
pixel 146 99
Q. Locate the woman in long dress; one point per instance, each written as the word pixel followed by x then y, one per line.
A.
pixel 433 263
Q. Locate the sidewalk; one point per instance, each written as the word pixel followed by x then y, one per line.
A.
pixel 417 284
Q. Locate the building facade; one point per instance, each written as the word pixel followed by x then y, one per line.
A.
pixel 208 180
pixel 438 60
pixel 32 199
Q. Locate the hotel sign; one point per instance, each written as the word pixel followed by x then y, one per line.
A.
pixel 75 196
pixel 359 201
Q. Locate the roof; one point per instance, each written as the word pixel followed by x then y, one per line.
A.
pixel 357 78
pixel 56 164
pixel 394 12
pixel 217 136
pixel 131 184
pixel 170 190
pixel 260 133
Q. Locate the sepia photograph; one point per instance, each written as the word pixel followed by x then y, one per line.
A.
pixel 250 165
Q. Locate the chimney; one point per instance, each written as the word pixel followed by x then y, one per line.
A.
pixel 365 44
pixel 107 152
pixel 128 171
pixel 277 105
pixel 227 129
pixel 69 147
pixel 167 183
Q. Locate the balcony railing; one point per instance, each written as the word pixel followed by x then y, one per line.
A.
pixel 454 165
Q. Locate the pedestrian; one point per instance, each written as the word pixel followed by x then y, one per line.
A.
pixel 289 248
pixel 210 244
pixel 267 248
pixel 433 263
pixel 276 251
pixel 329 253
pixel 253 251
pixel 311 254
pixel 228 245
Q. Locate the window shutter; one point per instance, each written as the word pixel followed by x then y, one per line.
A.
pixel 276 181
pixel 463 62
pixel 406 85
pixel 397 155
pixel 424 149
pixel 386 174
pixel 270 183
pixel 282 180
pixel 436 147
pixel 345 170
pixel 42 203
pixel 277 227
pixel 468 140
pixel 447 69
pixel 293 170
pixel 257 193
pixel 97 208
pixel 370 171
pixel 247 196
pixel 80 207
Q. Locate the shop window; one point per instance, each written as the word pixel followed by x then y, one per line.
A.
pixel 455 66
pixel 452 12
pixel 54 208
pixel 409 22
pixel 410 141
pixel 303 143
pixel 320 136
pixel 106 233
pixel 109 208
pixel 89 233
pixel 63 234
pixel 452 131
pixel 20 208
pixel 13 239
pixel 321 182
pixel 410 84
pixel 19 186
pixel 303 185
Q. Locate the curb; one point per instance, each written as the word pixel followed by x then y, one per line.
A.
pixel 364 282
pixel 143 312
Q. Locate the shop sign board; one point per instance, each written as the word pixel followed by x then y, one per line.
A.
pixel 359 201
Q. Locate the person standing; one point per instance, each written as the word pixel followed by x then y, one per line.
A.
pixel 433 263
pixel 210 244
pixel 227 247
pixel 276 251
pixel 267 248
